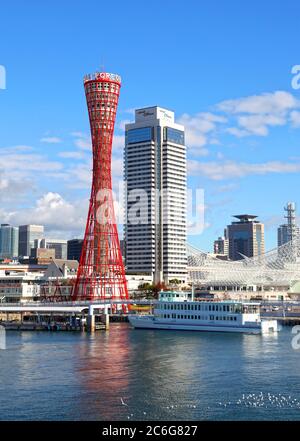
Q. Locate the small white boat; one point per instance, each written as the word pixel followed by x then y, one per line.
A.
pixel 177 311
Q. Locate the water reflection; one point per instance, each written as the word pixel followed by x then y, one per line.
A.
pixel 104 373
pixel 139 375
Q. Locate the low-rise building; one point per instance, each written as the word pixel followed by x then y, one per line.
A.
pixel 18 287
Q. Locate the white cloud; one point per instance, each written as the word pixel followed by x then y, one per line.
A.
pixel 82 140
pixel 53 211
pixel 295 118
pixel 225 188
pixel 200 127
pixel 267 103
pixel 25 161
pixel 51 140
pixel 231 169
pixel 237 132
pixel 118 142
pixel 71 155
pixel 20 169
pixel 121 124
pixel 255 114
pixel 258 124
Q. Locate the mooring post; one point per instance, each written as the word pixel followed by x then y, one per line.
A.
pixel 91 320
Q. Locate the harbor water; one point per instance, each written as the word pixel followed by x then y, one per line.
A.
pixel 128 374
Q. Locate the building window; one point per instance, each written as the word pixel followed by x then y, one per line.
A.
pixel 173 135
pixel 135 136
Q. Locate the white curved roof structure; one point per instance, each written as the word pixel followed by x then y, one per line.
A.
pixel 280 267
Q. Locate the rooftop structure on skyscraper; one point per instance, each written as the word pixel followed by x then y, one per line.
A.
pixel 245 237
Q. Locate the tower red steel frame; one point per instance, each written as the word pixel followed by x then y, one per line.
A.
pixel 101 273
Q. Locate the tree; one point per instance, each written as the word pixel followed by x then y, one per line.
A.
pixel 174 282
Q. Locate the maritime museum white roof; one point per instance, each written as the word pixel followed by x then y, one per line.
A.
pixel 280 267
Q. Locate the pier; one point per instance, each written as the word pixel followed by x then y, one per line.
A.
pixel 87 316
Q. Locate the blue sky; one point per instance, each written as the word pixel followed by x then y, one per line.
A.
pixel 223 67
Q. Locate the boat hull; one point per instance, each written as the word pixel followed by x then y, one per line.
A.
pixel 140 322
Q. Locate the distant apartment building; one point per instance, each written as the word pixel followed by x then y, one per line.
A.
pixel 9 241
pixel 155 176
pixel 288 231
pixel 59 245
pixel 221 245
pixel 74 247
pixel 245 237
pixel 27 235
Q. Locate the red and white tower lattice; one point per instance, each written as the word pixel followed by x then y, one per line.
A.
pixel 101 273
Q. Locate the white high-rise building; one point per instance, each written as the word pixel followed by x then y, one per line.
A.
pixel 155 196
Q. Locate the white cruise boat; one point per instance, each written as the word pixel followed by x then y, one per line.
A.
pixel 176 310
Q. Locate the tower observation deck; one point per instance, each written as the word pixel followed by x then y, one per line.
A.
pixel 101 273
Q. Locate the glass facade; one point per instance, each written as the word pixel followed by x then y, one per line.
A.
pixel 174 135
pixel 135 136
pixel 9 241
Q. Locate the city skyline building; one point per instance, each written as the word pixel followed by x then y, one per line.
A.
pixel 101 272
pixel 74 248
pixel 290 230
pixel 221 244
pixel 27 235
pixel 245 237
pixel 155 200
pixel 59 245
pixel 9 241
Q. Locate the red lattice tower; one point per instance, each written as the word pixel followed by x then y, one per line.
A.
pixel 101 273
